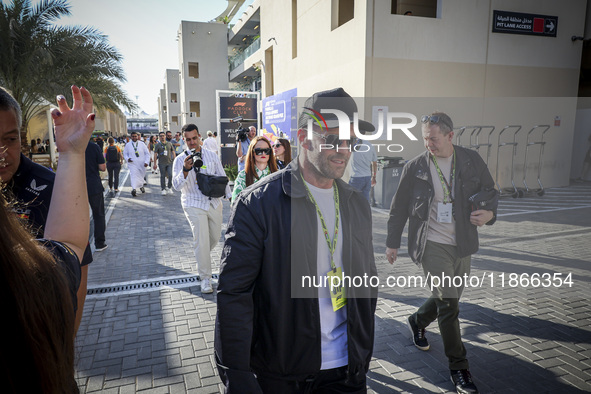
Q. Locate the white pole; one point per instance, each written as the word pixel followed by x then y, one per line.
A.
pixel 51 139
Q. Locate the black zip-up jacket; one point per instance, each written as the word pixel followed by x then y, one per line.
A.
pixel 415 195
pixel 266 326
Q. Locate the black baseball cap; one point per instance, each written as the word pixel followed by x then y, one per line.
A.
pixel 336 99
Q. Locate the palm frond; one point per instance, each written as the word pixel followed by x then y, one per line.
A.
pixel 41 59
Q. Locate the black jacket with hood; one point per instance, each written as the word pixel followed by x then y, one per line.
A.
pixel 267 323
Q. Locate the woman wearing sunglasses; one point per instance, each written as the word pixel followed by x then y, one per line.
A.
pixel 260 162
pixel 282 151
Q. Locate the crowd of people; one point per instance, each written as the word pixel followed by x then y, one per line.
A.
pixel 291 219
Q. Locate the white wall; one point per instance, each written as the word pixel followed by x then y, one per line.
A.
pixel 498 79
pixel 206 44
pixel 325 58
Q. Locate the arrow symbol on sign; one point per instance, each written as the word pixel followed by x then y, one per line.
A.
pixel 550 26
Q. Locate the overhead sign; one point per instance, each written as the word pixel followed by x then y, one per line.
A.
pixel 233 107
pixel 519 23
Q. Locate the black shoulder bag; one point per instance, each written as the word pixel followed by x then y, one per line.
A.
pixel 212 186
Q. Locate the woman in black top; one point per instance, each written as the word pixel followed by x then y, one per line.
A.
pixel 282 151
pixel 39 278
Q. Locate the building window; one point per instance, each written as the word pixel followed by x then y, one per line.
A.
pixel 175 120
pixel 164 108
pixel 424 8
pixel 342 12
pixel 194 109
pixel 173 97
pixel 269 88
pixel 193 70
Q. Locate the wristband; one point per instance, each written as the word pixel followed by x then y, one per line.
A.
pixel 185 170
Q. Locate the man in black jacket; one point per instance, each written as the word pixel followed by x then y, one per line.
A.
pixel 285 322
pixel 433 195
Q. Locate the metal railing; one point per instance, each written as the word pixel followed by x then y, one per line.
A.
pixel 239 58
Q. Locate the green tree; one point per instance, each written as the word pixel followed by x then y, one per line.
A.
pixel 39 59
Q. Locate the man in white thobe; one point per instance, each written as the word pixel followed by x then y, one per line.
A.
pixel 137 155
pixel 210 142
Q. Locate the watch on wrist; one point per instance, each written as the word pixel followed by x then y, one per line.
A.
pixel 185 170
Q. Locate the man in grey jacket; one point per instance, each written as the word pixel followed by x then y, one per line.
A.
pixel 433 195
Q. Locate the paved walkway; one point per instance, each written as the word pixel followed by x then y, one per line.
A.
pixel 147 327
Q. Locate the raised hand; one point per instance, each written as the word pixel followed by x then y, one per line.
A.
pixel 73 126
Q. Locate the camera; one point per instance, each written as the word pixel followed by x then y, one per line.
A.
pixel 197 160
pixel 242 134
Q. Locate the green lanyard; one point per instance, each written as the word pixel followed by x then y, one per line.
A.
pixel 332 246
pixel 447 187
pixel 135 146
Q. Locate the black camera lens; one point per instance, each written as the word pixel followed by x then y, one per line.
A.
pixel 197 163
pixel 197 160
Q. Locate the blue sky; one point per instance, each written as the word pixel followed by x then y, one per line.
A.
pixel 144 32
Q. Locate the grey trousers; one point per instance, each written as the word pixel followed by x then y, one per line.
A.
pixel 442 261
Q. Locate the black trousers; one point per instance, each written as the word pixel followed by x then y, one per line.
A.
pixel 113 170
pixel 97 205
pixel 327 381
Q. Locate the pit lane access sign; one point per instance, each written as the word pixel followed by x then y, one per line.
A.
pixel 519 23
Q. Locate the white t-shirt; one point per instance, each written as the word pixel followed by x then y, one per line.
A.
pixel 443 233
pixel 333 325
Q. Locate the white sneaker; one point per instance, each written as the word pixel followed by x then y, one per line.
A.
pixel 170 191
pixel 164 192
pixel 206 286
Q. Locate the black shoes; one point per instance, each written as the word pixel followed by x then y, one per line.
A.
pixel 133 192
pixel 100 248
pixel 462 378
pixel 418 334
pixel 142 189
pixel 463 382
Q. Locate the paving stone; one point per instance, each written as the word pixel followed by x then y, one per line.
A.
pixel 517 339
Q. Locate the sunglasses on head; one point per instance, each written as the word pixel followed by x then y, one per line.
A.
pixel 433 119
pixel 262 151
pixel 334 140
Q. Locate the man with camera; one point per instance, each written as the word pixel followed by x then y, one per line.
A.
pixel 436 195
pixel 243 138
pixel 204 212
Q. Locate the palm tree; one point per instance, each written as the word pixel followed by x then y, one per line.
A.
pixel 39 59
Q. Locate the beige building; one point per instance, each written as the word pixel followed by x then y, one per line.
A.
pixel 169 106
pixel 107 121
pixel 244 50
pixel 114 124
pixel 445 57
pixel 203 66
pixel 162 109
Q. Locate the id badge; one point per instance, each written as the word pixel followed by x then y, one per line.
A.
pixel 337 291
pixel 165 153
pixel 137 154
pixel 444 212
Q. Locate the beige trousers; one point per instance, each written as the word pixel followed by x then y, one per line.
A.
pixel 206 227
